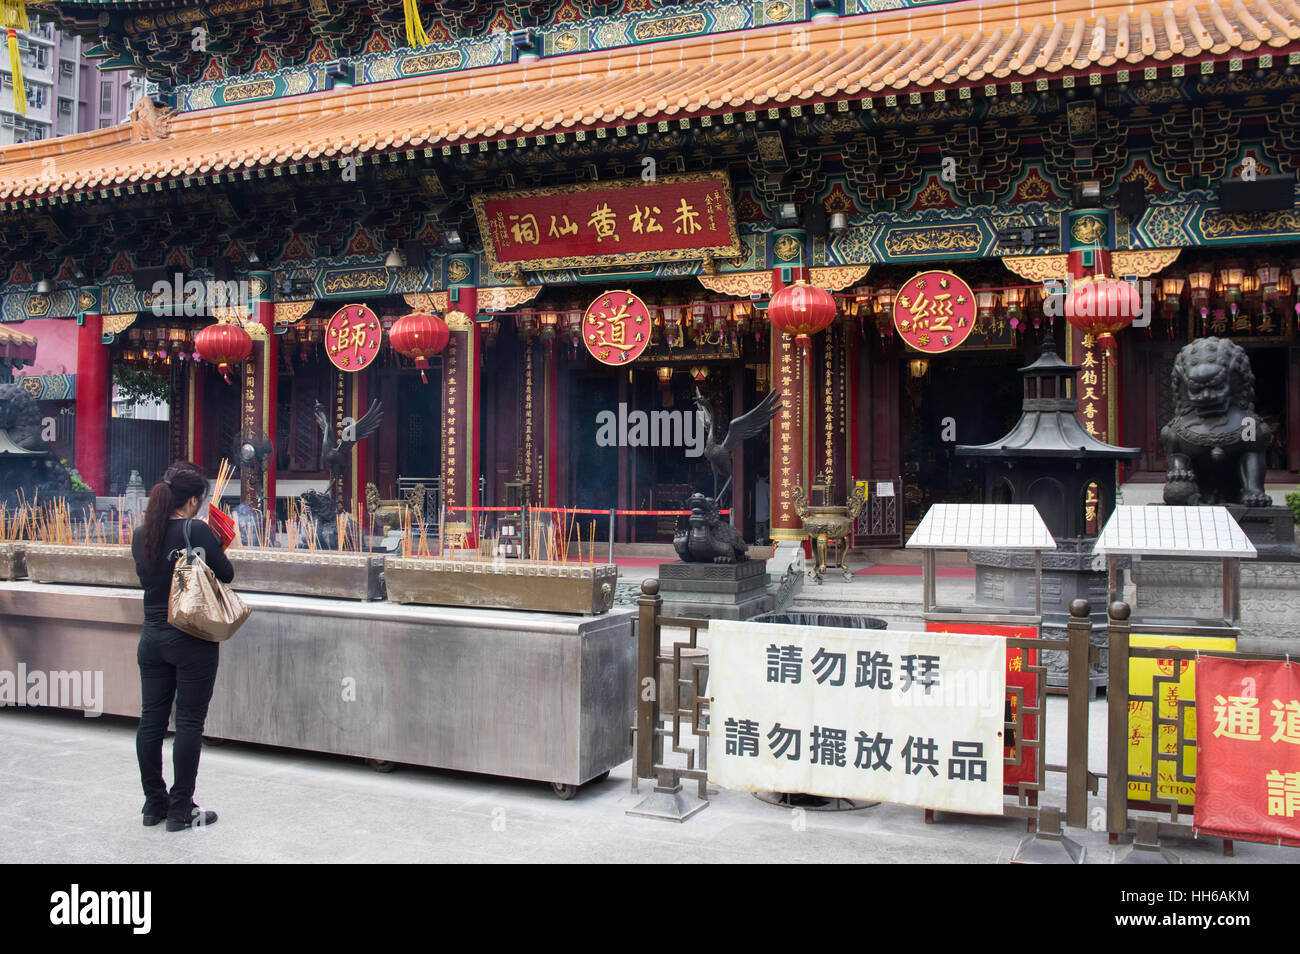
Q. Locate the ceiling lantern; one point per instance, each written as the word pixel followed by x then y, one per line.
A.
pixel 224 346
pixel 419 336
pixel 801 310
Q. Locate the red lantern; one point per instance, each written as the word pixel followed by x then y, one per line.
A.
pixel 1100 306
pixel 224 346
pixel 419 336
pixel 801 310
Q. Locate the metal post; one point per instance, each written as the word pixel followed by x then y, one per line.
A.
pixel 523 529
pixel 1117 720
pixel 611 535
pixel 1076 759
pixel 1232 591
pixel 647 689
pixel 1038 584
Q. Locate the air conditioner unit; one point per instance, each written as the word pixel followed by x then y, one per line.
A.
pixel 7 119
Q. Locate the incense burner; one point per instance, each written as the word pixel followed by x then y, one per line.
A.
pixel 331 575
pixel 512 584
pixel 826 523
pixel 13 563
pixel 84 564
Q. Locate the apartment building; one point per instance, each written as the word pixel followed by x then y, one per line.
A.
pixel 65 92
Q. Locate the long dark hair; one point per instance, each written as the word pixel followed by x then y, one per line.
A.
pixel 181 482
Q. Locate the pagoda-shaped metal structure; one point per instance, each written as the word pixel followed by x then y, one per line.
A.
pixel 1049 460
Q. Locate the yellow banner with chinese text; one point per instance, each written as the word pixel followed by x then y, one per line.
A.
pixel 1142 678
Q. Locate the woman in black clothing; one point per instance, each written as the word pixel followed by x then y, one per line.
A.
pixel 173 664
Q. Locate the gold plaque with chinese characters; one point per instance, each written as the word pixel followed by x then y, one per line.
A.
pixel 616 327
pixel 352 337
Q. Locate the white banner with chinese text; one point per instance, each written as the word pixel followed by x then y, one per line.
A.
pixel 911 718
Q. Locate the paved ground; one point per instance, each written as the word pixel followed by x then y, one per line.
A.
pixel 69 792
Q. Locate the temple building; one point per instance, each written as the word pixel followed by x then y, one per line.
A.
pixel 331 166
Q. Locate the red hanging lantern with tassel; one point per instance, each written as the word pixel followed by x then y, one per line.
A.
pixel 224 346
pixel 801 310
pixel 1100 306
pixel 420 336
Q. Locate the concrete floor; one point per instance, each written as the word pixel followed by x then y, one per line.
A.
pixel 69 792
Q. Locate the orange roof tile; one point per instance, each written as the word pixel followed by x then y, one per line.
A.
pixel 902 51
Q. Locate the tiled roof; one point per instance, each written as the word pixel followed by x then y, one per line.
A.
pixel 854 57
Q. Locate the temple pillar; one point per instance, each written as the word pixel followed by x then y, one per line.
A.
pixel 460 410
pixel 1097 381
pixel 791 374
pixel 94 392
pixel 261 386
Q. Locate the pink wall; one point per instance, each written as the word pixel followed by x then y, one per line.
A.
pixel 56 345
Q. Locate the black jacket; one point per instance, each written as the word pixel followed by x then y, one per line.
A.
pixel 157 579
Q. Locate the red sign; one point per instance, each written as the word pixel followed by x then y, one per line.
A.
pixel 1019 676
pixel 671 217
pixel 1248 736
pixel 934 311
pixel 616 327
pixel 352 337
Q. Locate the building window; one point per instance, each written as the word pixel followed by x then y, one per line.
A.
pixel 67 69
pixel 105 97
pixel 65 106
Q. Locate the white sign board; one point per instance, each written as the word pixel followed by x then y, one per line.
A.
pixel 912 718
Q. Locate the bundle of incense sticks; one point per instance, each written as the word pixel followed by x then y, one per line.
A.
pixel 225 471
pixel 13 526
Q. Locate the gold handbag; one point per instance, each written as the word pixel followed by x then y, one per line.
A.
pixel 200 604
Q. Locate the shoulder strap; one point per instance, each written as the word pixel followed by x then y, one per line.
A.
pixel 189 548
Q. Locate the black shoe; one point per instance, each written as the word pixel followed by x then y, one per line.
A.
pixel 198 819
pixel 151 820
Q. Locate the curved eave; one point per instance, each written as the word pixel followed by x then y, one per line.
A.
pixel 1048 434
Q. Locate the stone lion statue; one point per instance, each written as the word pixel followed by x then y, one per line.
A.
pixel 1215 443
pixel 20 417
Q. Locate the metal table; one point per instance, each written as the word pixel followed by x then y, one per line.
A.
pixel 1183 532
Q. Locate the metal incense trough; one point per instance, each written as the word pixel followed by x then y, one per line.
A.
pixel 342 576
pixel 512 585
pixel 87 565
pixel 13 562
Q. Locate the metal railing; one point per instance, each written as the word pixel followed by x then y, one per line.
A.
pixel 677 722
pixel 1120 808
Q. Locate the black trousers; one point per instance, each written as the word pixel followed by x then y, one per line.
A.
pixel 175 667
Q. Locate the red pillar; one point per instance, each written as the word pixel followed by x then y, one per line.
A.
pixel 266 355
pixel 94 394
pixel 460 408
pixel 789 428
pixel 194 411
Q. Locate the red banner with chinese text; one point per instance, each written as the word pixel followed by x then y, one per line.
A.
pixel 1248 764
pixel 1019 677
pixel 670 217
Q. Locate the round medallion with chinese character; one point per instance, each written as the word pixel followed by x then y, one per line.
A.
pixel 352 337
pixel 616 327
pixel 934 311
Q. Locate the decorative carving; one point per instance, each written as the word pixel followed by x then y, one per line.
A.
pixel 740 284
pixel 905 242
pixel 1142 263
pixel 838 277
pixel 291 312
pixel 1210 460
pixel 498 299
pixel 148 122
pixel 116 324
pixel 458 320
pixel 1038 268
